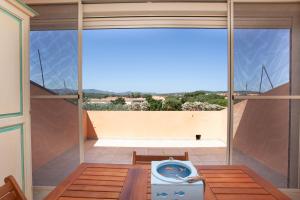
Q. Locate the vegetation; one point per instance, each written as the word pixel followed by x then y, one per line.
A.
pixel 105 107
pixel 94 95
pixel 200 106
pixel 154 105
pixel 200 96
pixel 144 106
pixel 119 101
pixel 192 101
pixel 172 103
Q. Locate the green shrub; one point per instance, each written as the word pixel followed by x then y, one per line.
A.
pixel 172 104
pixel 119 101
pixel 203 97
pixel 105 107
pixel 154 105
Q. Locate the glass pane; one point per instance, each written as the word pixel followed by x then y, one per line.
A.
pixel 261 137
pixel 265 50
pixel 55 140
pixel 53 61
pixel 54 49
pixel 53 71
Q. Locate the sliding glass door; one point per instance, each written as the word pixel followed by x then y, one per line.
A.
pixel 54 93
pixel 266 90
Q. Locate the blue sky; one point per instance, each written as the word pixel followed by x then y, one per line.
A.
pixel 160 60
pixel 155 60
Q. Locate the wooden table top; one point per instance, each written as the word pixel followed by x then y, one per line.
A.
pixel 132 182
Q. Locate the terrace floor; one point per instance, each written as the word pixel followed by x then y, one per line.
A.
pixel 110 152
pixel 120 152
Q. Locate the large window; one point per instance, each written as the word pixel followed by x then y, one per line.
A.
pixel 162 88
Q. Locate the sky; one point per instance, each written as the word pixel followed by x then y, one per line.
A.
pixel 155 60
pixel 160 60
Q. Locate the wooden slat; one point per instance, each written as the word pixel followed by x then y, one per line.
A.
pixel 95 188
pixel 244 197
pixel 109 166
pixel 9 196
pixel 234 185
pixel 229 180
pixel 16 188
pixel 102 178
pixel 239 191
pixel 209 194
pixel 90 194
pixel 225 175
pixel 104 173
pixel 219 167
pixel 55 194
pixel 146 159
pixel 268 186
pixel 221 171
pixel 103 169
pixel 148 196
pixel 100 183
pixel 136 185
pixel 5 189
pixel 151 158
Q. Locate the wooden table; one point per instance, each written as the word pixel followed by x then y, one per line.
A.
pixel 132 182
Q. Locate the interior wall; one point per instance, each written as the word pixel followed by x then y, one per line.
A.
pixel 12 163
pixel 14 104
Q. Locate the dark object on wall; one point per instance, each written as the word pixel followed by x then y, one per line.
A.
pixel 198 137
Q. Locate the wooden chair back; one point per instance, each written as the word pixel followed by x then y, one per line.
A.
pixel 146 159
pixel 11 190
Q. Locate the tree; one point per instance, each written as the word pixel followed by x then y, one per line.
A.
pixel 154 105
pixel 172 104
pixel 119 101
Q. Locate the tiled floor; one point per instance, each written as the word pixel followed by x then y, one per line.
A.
pixel 57 169
pixel 123 155
pixel 157 143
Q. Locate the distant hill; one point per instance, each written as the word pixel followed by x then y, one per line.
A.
pixel 97 91
pixel 103 92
